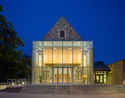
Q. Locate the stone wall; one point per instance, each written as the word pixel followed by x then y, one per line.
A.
pixel 62 25
pixel 115 76
pixel 123 70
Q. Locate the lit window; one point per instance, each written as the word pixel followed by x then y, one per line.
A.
pixel 78 73
pixel 45 73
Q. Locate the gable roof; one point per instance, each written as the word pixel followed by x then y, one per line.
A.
pixel 62 25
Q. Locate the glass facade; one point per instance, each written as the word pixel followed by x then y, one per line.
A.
pixel 62 62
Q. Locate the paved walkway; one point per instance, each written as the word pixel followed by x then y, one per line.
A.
pixel 19 95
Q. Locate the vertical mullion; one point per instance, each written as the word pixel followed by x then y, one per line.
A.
pixel 42 62
pixel 67 74
pixel 46 73
pixel 62 62
pixel 72 62
pixel 52 65
pixel 57 74
pixel 62 75
pixel 62 53
pixel 82 63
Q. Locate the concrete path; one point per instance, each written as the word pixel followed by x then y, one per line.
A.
pixel 19 95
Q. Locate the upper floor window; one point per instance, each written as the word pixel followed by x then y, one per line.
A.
pixel 62 34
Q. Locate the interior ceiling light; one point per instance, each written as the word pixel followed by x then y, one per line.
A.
pixel 70 48
pixel 55 48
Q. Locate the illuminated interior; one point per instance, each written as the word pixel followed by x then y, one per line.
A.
pixel 100 77
pixel 62 62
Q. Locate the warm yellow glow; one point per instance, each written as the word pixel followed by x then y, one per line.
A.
pixel 57 55
pixel 84 60
pixel 40 59
pixel 110 71
pixel 70 48
pixel 77 58
pixel 67 55
pixel 48 55
pixel 55 48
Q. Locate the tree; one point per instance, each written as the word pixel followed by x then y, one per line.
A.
pixel 25 67
pixel 10 55
pixel 1 8
pixel 99 63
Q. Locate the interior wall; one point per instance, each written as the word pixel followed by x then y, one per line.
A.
pixel 67 55
pixel 48 55
pixel 77 55
pixel 57 55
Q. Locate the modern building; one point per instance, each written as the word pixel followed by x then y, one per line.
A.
pixel 62 57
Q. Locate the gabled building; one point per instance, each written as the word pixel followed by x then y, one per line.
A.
pixel 100 74
pixel 62 57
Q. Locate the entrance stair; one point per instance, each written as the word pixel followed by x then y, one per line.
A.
pixel 73 89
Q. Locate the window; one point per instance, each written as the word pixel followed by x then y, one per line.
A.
pixel 45 73
pixel 62 34
pixel 78 73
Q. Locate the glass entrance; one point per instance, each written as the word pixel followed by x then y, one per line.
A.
pixel 62 74
pixel 98 78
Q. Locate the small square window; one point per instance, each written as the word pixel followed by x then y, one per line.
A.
pixel 62 34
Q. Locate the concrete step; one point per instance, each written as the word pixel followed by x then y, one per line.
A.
pixel 73 89
pixel 63 90
pixel 41 89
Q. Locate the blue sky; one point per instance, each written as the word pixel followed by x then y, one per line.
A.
pixel 100 21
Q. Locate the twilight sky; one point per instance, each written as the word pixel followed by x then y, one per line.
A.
pixel 100 21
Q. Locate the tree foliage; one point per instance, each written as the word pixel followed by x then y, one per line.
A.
pixel 11 59
pixel 25 67
pixel 1 8
pixel 99 63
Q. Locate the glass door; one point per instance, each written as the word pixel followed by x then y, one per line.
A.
pixel 62 75
pixel 98 78
pixel 59 75
pixel 55 75
pixel 65 75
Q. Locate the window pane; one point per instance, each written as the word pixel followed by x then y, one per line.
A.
pixel 67 52
pixel 47 52
pixel 57 52
pixel 104 78
pixel 62 34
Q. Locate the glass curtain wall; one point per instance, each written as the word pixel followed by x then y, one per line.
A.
pixel 62 62
pixel 77 62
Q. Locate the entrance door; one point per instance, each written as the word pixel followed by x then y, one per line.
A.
pixel 98 78
pixel 62 74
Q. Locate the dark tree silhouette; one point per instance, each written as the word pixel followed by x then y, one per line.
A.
pixel 99 63
pixel 11 59
pixel 25 67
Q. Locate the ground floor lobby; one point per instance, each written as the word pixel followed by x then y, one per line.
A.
pixel 63 75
